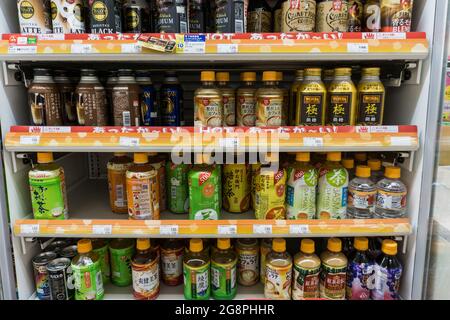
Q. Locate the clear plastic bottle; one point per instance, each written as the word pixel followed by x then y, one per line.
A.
pixel 376 174
pixel 391 195
pixel 349 165
pixel 278 272
pixel 306 272
pixel 360 158
pixel 359 272
pixel 223 271
pixel 334 271
pixel 361 195
pixel 145 271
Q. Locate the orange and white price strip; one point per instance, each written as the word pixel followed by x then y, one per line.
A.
pixel 169 230
pixel 358 47
pixel 298 229
pixel 262 229
pixel 131 48
pixel 29 229
pixel 128 142
pixel 228 48
pixel 227 229
pixel 29 140
pixel 102 229
pixel 81 48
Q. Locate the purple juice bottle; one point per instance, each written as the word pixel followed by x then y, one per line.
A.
pixel 360 272
pixel 388 272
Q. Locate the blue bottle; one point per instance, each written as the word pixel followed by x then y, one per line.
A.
pixel 360 274
pixel 171 99
pixel 149 105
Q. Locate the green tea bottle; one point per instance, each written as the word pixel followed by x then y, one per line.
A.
pixel 223 271
pixel 121 252
pixel 177 186
pixel 196 265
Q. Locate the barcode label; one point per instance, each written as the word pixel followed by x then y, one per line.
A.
pixel 358 47
pixel 126 118
pixel 229 142
pixel 262 229
pixel 298 229
pixel 29 140
pixel 128 142
pixel 183 27
pixel 227 48
pixel 312 142
pixel 239 26
pixel 401 141
pixel 29 229
pixel 168 230
pixel 131 48
pixel 120 200
pixel 102 229
pixel 227 230
pixel 81 48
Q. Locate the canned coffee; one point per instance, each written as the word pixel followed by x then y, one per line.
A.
pixel 34 16
pixel 137 16
pixel 69 252
pixel 61 281
pixel 56 246
pixel 68 16
pixel 40 263
pixel 105 16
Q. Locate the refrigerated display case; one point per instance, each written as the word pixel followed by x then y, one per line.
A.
pixel 407 61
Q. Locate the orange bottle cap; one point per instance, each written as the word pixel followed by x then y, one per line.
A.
pixel 45 157
pixel 223 244
pixel 361 156
pixel 334 245
pixel 140 158
pixel 363 171
pixel 269 76
pixel 279 76
pixel 152 154
pixel 119 154
pixel 143 244
pixel 84 246
pixel 361 244
pixel 348 163
pixel 207 76
pixel 374 164
pixel 303 156
pixel 307 246
pixel 392 172
pixel 279 245
pixel 248 76
pixel 334 156
pixel 196 245
pixel 389 247
pixel 223 76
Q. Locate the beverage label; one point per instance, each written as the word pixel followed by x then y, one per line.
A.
pixel 270 195
pixel 391 200
pixel 255 169
pixel 361 200
pixel 117 186
pixel 223 280
pixel 370 108
pixel 246 111
pixel 88 281
pixel 311 109
pixel 332 282
pixel 230 17
pixel 160 167
pixel 171 106
pixel 269 111
pixel 248 266
pixel 208 111
pixel 229 108
pixel 372 16
pixel 387 283
pixel 196 281
pixel 299 16
pixel 339 108
pixel 68 103
pixel 42 282
pixel 278 282
pixel 145 280
pixel 332 16
pixel 360 278
pixel 91 107
pixel 236 187
pixel 204 195
pixel 68 16
pixel 121 266
pixel 177 187
pixel 126 106
pixel 48 194
pixel 260 21
pixel 105 16
pixel 301 194
pixel 172 17
pixel 306 283
pixel 396 15
pixel 197 19
pixel 34 16
pixel 45 108
pixel 172 266
pixel 143 195
pixel 264 252
pixel 333 189
pixel 61 283
pixel 103 256
pixel 355 15
pixel 149 106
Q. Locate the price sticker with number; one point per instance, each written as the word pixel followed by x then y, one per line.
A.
pixel 262 229
pixel 128 142
pixel 29 229
pixel 313 142
pixel 29 140
pixel 298 229
pixel 102 229
pixel 227 230
pixel 170 230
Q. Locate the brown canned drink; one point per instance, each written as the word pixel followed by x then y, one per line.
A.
pixel 40 263
pixel 60 279
pixel 332 16
pixel 247 251
pixel 68 16
pixel 44 100
pixel 69 252
pixel 299 16
pixel 68 102
pixel 396 15
pixel 34 16
pixel 125 99
pixel 355 15
pixel 92 109
pixel 105 16
pixel 372 16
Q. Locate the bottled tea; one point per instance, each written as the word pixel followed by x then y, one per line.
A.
pixel 223 271
pixel 259 17
pixel 145 271
pixel 229 98
pixel 196 264
pixel 117 169
pixel 333 272
pixel 305 284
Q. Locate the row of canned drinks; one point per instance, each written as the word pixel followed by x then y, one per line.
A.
pixel 356 269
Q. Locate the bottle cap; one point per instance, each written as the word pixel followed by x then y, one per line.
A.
pixel 370 71
pixel 119 154
pixel 143 244
pixel 389 247
pixel 328 73
pixel 334 156
pixel 279 76
pixel 208 76
pixel 313 72
pixel 361 244
pixel 343 71
pixel 223 76
pixel 84 246
pixel 45 157
pixel 303 156
pixel 361 156
pixel 196 245
pixel 248 76
pixel 152 154
pixel 140 158
pixel 374 164
pixel 299 73
pixel 269 76
pixel 307 246
pixel 392 172
pixel 279 245
pixel 334 245
pixel 363 171
pixel 223 244
pixel 348 163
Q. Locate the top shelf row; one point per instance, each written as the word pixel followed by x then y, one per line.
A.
pixel 215 48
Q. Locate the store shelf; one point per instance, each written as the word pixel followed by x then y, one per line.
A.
pixel 218 48
pixel 165 139
pixel 90 216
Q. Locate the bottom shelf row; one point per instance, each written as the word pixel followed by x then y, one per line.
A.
pixel 200 269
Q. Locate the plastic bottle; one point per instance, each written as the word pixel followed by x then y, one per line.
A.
pixel 101 247
pixel 285 113
pixel 278 272
pixel 391 195
pixel 341 99
pixel 196 272
pixel 87 273
pixel 208 102
pixel 349 165
pixel 177 186
pixel 360 158
pixel 301 188
pixel 311 99
pixel 246 101
pixel 333 188
pixel 359 272
pixel 299 75
pixel 229 99
pixel 376 174
pixel 158 161
pixel 223 271
pixel 361 195
pixel 388 272
pixel 121 251
pixel 117 169
pixel 145 271
pixel 306 272
pixel 266 247
pixel 247 251
pixel 334 271
pixel 172 252
pixel 269 101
